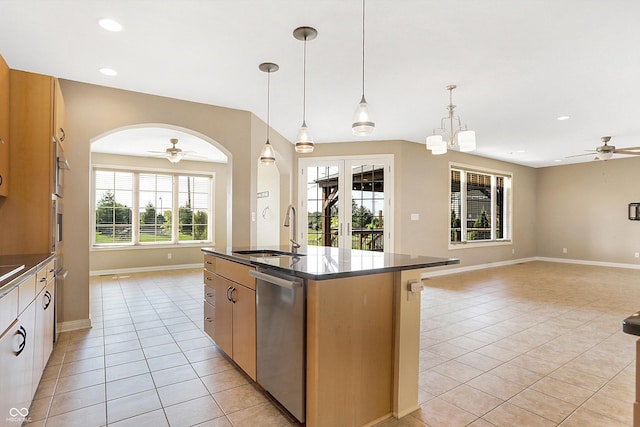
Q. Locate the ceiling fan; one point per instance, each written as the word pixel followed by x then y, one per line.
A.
pixel 604 152
pixel 175 154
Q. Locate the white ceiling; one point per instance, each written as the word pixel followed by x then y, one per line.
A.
pixel 518 64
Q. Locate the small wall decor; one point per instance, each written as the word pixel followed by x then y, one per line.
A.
pixel 634 211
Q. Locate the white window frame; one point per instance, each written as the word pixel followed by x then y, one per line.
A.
pixel 135 220
pixel 508 194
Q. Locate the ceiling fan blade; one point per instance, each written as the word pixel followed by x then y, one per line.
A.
pixel 194 154
pixel 580 155
pixel 626 151
pixel 628 148
pixel 157 152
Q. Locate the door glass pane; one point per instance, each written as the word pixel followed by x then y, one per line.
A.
pixel 322 205
pixel 367 207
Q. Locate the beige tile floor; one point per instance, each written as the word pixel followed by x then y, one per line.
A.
pixel 535 344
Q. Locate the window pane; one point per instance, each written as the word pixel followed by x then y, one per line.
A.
pixel 500 208
pixel 114 201
pixel 478 206
pixel 194 199
pixel 456 207
pixel 155 197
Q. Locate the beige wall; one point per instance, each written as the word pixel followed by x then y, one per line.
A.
pixel 92 111
pixel 583 208
pixel 422 187
pixel 105 260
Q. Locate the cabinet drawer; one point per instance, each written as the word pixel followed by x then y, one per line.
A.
pixel 43 276
pixel 208 277
pixel 26 293
pixel 236 272
pixel 210 295
pixel 210 263
pixel 8 310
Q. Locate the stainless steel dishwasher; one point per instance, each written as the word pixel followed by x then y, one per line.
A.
pixel 281 338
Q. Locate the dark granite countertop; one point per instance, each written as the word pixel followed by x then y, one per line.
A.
pixel 31 263
pixel 322 262
pixel 631 325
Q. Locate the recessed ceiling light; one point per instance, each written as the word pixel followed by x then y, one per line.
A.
pixel 108 72
pixel 561 118
pixel 557 160
pixel 110 25
pixel 520 151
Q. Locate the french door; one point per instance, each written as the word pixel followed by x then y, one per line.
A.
pixel 347 202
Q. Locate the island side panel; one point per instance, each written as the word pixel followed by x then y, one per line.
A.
pixel 350 327
pixel 407 344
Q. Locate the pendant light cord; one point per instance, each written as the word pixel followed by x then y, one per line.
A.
pixel 304 83
pixel 363 2
pixel 268 102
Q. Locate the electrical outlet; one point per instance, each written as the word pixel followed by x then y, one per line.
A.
pixel 637 255
pixel 169 255
pixel 564 250
pixel 415 217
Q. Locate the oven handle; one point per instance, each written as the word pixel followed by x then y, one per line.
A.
pixel 289 284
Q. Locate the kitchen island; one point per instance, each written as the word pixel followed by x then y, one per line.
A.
pixel 362 328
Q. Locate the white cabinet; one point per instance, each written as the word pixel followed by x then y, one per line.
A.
pixel 16 368
pixel 27 342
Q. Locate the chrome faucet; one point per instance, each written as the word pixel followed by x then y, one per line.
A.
pixel 291 211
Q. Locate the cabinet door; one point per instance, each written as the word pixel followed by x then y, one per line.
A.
pixel 244 329
pixel 4 128
pixel 218 314
pixel 48 306
pixel 16 366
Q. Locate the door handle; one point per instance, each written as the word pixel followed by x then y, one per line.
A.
pixel 229 289
pixel 23 333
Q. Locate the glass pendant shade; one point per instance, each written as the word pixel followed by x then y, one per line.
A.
pixel 267 155
pixel 440 149
pixel 434 141
pixel 304 141
pixel 467 140
pixel 362 124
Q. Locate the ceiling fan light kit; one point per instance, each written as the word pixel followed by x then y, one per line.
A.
pixel 174 154
pixel 460 135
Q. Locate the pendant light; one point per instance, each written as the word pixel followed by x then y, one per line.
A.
pixel 362 123
pixel 465 139
pixel 267 155
pixel 304 141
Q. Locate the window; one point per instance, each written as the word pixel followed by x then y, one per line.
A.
pixel 480 205
pixel 144 208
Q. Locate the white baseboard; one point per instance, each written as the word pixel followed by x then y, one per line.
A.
pixel 447 271
pixel 596 263
pixel 73 325
pixel 144 269
pixel 455 270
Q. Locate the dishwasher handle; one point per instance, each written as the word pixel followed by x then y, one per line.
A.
pixel 289 284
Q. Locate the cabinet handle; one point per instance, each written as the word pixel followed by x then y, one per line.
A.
pixel 0 179
pixel 43 279
pixel 208 262
pixel 208 319
pixel 53 270
pixel 208 278
pixel 229 289
pixel 23 333
pixel 63 135
pixel 234 291
pixel 210 295
pixel 47 297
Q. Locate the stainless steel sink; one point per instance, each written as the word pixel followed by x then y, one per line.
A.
pixel 262 253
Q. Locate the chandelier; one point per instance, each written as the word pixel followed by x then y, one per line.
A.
pixel 444 137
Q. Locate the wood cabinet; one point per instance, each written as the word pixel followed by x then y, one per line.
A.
pixel 44 307
pixel 230 310
pixel 4 127
pixel 350 341
pixel 26 217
